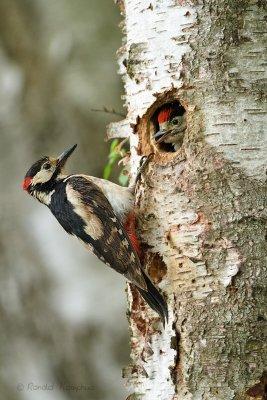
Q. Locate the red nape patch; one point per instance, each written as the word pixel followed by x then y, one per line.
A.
pixel 26 183
pixel 164 115
pixel 129 226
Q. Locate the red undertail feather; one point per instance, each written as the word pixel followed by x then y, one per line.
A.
pixel 164 115
pixel 130 227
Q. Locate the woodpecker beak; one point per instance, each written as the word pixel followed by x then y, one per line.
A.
pixel 158 134
pixel 163 128
pixel 161 135
pixel 61 161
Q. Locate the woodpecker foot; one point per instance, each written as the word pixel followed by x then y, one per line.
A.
pixel 143 164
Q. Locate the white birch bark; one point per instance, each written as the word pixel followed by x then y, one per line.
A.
pixel 201 209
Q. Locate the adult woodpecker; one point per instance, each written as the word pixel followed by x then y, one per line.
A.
pixel 171 126
pixel 100 214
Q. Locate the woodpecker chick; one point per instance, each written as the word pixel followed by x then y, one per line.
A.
pixel 99 214
pixel 171 126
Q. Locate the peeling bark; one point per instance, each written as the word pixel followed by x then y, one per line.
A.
pixel 202 209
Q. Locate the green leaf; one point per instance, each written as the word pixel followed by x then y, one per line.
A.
pixel 113 157
pixel 116 153
pixel 114 143
pixel 107 171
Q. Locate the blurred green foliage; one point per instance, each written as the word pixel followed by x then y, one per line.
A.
pixel 117 152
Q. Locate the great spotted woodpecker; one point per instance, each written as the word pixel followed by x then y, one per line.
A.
pixel 100 214
pixel 172 124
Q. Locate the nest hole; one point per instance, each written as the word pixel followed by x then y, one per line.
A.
pixel 167 126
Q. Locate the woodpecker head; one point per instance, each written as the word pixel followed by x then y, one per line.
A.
pixel 45 172
pixel 171 121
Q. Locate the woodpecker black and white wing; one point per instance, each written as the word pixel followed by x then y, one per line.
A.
pixel 121 198
pixel 82 209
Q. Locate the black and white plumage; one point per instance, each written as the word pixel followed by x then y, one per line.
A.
pixel 94 211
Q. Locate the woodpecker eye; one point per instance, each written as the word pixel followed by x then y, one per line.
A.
pixel 176 120
pixel 47 165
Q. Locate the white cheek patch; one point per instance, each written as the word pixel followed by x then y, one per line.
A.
pixel 42 176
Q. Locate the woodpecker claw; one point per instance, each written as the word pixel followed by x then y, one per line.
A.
pixel 143 163
pixel 145 160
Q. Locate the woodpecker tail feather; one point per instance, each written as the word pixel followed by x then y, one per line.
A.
pixel 154 299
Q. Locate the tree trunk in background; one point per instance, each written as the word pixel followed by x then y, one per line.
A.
pixel 201 209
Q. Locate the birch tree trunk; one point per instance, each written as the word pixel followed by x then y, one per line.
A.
pixel 201 208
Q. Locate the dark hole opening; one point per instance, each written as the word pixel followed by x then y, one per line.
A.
pixel 169 124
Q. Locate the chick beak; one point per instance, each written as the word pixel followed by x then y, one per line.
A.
pixel 61 160
pixel 159 134
pixel 163 128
